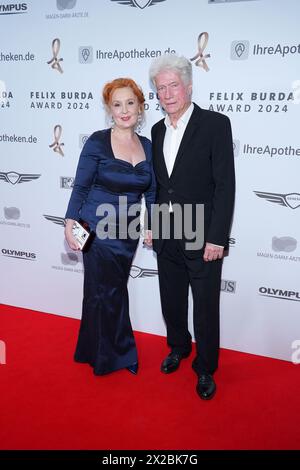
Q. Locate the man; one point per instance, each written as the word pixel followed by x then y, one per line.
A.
pixel 193 164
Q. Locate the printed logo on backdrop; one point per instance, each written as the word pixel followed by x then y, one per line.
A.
pixel 65 4
pixel 228 286
pixel 236 147
pixel 57 145
pixel 85 54
pixel 281 246
pixel 248 101
pixel 269 151
pixel 82 139
pixel 56 220
pixel 229 1
pixel 16 56
pixel 291 200
pixel 67 259
pixel 239 50
pixel 55 61
pixel 13 8
pixel 67 100
pixel 15 139
pixel 146 53
pixel 138 3
pixel 67 182
pixel 70 258
pixel 13 177
pixel 296 91
pixel 279 293
pixel 286 244
pixel 66 9
pixel 18 254
pixel 11 215
pixel 5 95
pixel 200 57
pixel 137 271
pixel 70 262
pixel 232 242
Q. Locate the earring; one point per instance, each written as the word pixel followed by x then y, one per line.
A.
pixel 139 123
pixel 112 123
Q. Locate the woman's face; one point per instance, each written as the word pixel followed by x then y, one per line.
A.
pixel 124 107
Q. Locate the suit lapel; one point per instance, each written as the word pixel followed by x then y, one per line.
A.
pixel 187 136
pixel 160 152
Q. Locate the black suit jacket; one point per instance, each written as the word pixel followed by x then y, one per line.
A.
pixel 203 173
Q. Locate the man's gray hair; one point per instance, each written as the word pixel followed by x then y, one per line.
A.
pixel 178 64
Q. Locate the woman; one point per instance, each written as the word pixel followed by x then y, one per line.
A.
pixel 114 162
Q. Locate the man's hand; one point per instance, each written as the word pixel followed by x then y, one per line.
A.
pixel 213 252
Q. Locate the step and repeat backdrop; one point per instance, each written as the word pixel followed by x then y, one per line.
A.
pixel 55 57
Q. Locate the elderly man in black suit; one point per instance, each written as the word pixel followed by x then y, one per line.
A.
pixel 193 163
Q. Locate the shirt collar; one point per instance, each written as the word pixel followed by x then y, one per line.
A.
pixel 183 120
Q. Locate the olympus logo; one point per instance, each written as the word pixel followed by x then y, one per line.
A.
pixel 13 9
pixel 279 293
pixel 19 254
pixel 228 286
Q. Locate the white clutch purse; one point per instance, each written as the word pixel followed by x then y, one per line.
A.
pixel 82 233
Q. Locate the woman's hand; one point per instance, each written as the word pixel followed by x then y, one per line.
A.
pixel 71 240
pixel 148 238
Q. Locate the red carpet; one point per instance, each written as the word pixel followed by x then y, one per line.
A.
pixel 50 402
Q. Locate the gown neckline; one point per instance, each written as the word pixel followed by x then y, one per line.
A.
pixel 121 159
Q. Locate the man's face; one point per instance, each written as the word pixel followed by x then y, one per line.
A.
pixel 174 94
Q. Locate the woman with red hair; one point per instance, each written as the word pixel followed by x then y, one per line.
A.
pixel 114 171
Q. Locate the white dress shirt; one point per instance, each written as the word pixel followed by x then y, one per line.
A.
pixel 173 137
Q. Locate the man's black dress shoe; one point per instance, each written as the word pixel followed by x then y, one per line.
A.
pixel 172 362
pixel 133 368
pixel 206 387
